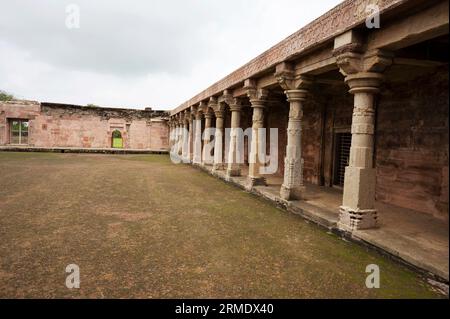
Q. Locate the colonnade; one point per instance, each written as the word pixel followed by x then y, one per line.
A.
pixel 363 73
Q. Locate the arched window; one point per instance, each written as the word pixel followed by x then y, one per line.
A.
pixel 117 141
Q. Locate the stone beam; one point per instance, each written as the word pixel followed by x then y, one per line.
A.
pixel 424 25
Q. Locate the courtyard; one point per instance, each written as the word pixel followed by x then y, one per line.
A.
pixel 139 226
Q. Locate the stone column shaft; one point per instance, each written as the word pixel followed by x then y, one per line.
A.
pixel 179 147
pixel 191 139
pixel 185 137
pixel 206 158
pixel 234 168
pixel 255 161
pixel 198 139
pixel 218 141
pixel 358 205
pixel 293 187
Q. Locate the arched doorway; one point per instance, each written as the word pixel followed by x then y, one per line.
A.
pixel 117 141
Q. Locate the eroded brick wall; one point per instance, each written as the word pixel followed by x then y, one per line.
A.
pixel 72 126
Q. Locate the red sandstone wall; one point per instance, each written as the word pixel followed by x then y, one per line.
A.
pixel 71 127
pixel 412 144
pixel 159 135
pixel 21 109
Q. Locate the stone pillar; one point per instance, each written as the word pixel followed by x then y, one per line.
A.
pixel 234 168
pixel 257 100
pixel 191 137
pixel 358 205
pixel 170 135
pixel 218 138
pixel 185 136
pixel 363 74
pixel 206 158
pixel 295 86
pixel 178 151
pixel 293 187
pixel 198 138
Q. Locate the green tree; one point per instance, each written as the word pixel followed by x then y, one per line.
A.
pixel 5 96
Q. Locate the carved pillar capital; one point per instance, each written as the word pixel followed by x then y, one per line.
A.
pixel 213 103
pixel 296 95
pixel 209 114
pixel 289 80
pixel 187 116
pixel 199 115
pixel 256 95
pixel 235 105
pixel 219 112
pixel 364 82
pixel 375 61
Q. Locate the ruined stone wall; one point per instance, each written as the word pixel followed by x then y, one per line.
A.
pixel 53 125
pixel 412 144
pixel 27 110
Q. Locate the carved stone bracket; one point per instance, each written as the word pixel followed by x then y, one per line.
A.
pixel 289 80
pixel 375 61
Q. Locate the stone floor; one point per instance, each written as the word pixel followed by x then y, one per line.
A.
pixel 139 226
pixel 417 238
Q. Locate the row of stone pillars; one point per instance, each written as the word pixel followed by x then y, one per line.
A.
pixel 363 74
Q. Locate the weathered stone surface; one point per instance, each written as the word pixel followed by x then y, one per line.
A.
pixel 412 144
pixel 59 125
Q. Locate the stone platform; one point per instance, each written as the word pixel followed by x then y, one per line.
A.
pixel 80 150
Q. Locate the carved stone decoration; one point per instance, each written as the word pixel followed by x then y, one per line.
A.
pixel 198 134
pixel 235 105
pixel 363 76
pixel 258 99
pixel 288 80
pixel 293 188
pixel 186 118
pixel 219 111
pixel 345 16
pixel 209 114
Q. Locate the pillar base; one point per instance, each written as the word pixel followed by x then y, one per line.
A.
pixel 353 219
pixel 218 167
pixel 296 193
pixel 235 172
pixel 256 181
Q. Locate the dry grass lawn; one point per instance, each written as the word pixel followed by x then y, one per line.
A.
pixel 141 227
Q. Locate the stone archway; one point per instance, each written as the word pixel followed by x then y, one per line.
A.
pixel 117 140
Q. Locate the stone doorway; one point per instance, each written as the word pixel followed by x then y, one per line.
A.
pixel 117 140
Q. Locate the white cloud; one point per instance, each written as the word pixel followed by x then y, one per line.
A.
pixel 138 53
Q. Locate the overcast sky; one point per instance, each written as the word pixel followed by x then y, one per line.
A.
pixel 141 53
